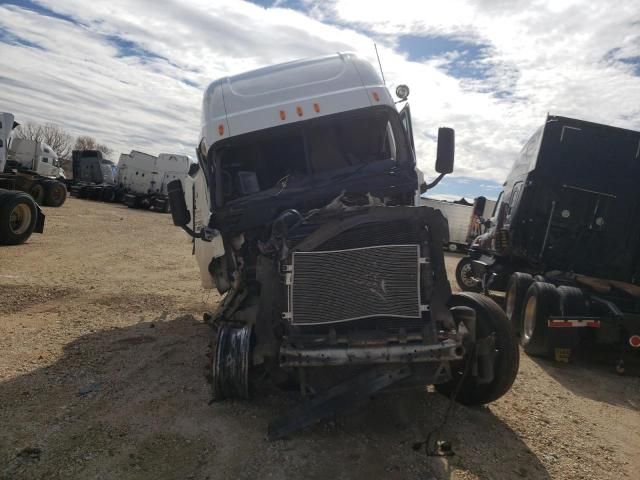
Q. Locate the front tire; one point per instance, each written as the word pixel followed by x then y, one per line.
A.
pixel 540 302
pixel 490 320
pixel 464 276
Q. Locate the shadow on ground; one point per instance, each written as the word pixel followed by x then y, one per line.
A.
pixel 133 403
pixel 579 377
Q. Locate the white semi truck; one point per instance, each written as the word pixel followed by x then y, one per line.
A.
pixel 31 167
pixel 303 212
pixel 139 180
pixel 20 215
pixel 35 156
pixel 143 178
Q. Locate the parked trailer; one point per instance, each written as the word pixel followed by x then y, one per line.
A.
pixel 93 177
pixel 458 217
pixel 302 210
pixel 565 246
pixel 20 215
pixel 144 178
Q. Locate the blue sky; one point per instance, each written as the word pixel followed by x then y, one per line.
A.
pixel 132 72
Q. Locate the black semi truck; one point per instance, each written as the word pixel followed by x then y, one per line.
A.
pixel 564 243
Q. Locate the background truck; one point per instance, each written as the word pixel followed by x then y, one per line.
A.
pixel 143 178
pixel 35 156
pixel 93 176
pixel 20 215
pixel 32 167
pixel 460 218
pixel 303 212
pixel 565 246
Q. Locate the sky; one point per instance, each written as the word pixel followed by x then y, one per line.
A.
pixel 132 72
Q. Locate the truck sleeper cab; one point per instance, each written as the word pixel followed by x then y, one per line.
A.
pixel 565 244
pixel 303 213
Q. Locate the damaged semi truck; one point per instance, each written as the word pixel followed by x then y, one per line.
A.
pixel 565 244
pixel 303 211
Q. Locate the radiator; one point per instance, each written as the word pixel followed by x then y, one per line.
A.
pixel 342 285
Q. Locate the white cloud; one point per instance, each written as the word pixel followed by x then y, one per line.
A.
pixel 562 57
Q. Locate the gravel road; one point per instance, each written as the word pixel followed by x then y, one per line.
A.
pixel 101 377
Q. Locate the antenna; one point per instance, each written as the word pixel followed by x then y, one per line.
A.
pixel 379 63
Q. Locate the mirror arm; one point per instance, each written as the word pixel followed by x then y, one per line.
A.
pixel 435 182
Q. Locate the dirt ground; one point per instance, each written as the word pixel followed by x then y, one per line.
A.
pixel 102 376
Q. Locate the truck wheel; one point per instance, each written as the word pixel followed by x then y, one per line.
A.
pixel 490 320
pixel 37 192
pixel 18 216
pixel 572 302
pixel 230 362
pixel 517 287
pixel 540 302
pixel 55 194
pixel 108 195
pixel 464 276
pixel 453 247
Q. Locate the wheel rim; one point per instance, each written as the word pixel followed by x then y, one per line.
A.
pixel 466 275
pixel 20 219
pixel 529 319
pixel 511 301
pixel 453 247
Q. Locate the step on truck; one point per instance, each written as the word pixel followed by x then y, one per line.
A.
pixel 32 167
pixel 20 215
pixel 143 178
pixel 93 177
pixel 304 213
pixel 565 241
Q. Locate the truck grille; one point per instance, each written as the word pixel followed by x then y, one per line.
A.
pixel 342 285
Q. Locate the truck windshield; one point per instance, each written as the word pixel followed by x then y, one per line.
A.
pixel 334 145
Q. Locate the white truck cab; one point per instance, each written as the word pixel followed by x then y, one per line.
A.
pixel 35 156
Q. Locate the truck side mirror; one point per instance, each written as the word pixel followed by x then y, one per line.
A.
pixel 179 212
pixel 446 150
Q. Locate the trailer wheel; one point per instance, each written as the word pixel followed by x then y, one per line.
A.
pixel 37 192
pixel 464 276
pixel 55 194
pixel 517 287
pixel 540 302
pixel 490 320
pixel 18 217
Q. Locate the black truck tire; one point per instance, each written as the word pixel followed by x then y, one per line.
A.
pixel 55 194
pixel 490 319
pixel 572 302
pixel 37 192
pixel 18 217
pixel 464 276
pixel 517 287
pixel 540 302
pixel 109 195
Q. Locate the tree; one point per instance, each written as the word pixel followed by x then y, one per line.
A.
pixel 53 135
pixel 84 142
